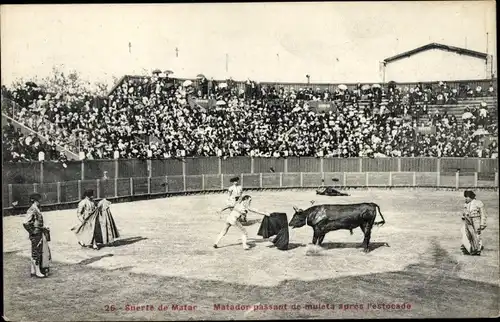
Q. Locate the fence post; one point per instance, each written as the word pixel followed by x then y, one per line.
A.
pixel 11 201
pixel 242 177
pixel 203 182
pixel 220 165
pixel 148 162
pixel 390 179
pixel 166 183
pixel 366 179
pixel 98 193
pixel 399 164
pixel 58 192
pixel 414 179
pixel 301 180
pixel 222 181
pixel 321 167
pixel 41 172
pixel 131 186
pixel 285 165
pixel 82 168
pixel 184 182
pixel 475 179
pixel 457 179
pixel 79 189
pixel 344 179
pixel 360 164
pixel 35 187
pixel 281 179
pixel 496 179
pixel 478 165
pixel 438 165
pixel 260 180
pixel 149 184
pixel 116 168
pixel 252 165
pixel 116 187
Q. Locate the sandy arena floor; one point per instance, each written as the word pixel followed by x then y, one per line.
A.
pixel 171 239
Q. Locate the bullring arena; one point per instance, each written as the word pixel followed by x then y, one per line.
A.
pixel 164 258
pixel 164 111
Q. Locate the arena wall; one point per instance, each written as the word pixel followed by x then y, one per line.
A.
pixel 129 179
pixel 52 172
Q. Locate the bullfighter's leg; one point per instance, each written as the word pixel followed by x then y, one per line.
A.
pixel 222 234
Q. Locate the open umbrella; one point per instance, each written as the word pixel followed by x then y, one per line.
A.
pixel 187 83
pixel 480 132
pixel 200 76
pixel 31 84
pixel 168 72
pixel 156 72
pixel 467 115
pixel 342 87
pixel 365 87
pixel 376 86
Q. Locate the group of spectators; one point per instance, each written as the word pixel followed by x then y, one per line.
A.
pixel 161 117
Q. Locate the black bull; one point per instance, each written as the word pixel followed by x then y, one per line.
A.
pixel 326 218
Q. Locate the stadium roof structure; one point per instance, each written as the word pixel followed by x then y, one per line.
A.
pixel 458 50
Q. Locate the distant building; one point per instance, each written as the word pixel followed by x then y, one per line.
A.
pixel 437 62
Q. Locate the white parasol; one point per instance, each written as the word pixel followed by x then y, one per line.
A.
pixel 480 132
pixel 467 115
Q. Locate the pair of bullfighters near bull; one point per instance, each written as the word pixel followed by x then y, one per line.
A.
pixel 326 218
pixel 322 218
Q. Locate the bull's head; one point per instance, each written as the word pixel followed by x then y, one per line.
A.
pixel 298 219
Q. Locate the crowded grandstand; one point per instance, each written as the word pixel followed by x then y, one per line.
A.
pixel 159 117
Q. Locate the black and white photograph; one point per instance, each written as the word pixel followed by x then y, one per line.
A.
pixel 250 161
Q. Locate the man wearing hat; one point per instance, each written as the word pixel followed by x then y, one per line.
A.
pixel 39 237
pixel 98 227
pixel 474 217
pixel 86 208
pixel 235 191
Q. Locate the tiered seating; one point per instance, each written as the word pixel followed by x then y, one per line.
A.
pixel 260 121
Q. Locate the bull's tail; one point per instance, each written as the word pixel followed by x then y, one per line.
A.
pixel 380 223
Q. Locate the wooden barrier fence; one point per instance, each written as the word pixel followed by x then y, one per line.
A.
pixel 57 193
pixel 52 172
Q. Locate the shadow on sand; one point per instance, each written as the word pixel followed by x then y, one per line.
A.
pixel 94 259
pixel 127 241
pixel 372 246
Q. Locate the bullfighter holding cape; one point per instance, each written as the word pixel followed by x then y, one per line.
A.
pixel 97 226
pixel 474 217
pixel 39 236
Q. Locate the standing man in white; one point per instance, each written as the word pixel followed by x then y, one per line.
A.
pixel 235 191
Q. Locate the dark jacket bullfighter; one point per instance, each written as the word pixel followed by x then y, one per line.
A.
pixel 326 218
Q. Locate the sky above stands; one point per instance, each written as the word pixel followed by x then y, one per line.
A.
pixel 332 42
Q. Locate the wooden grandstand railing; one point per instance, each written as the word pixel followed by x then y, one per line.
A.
pixel 26 130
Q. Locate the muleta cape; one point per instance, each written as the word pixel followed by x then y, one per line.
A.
pixel 276 224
